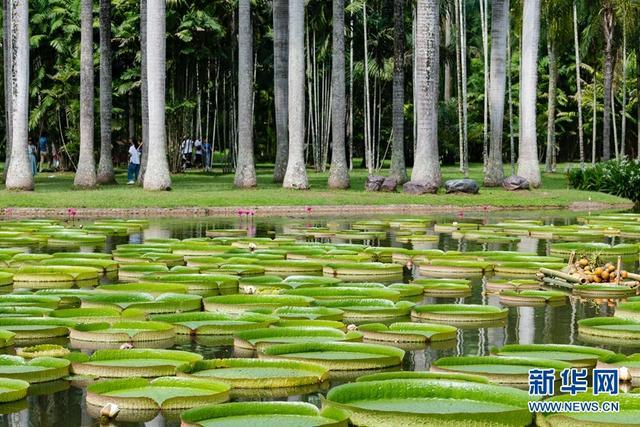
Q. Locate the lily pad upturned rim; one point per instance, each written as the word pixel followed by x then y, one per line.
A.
pixel 588 352
pixel 459 312
pixel 257 338
pixel 116 332
pixel 53 368
pixel 16 389
pixel 408 332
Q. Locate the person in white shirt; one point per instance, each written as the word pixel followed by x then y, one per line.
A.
pixel 134 163
pixel 186 152
pixel 197 145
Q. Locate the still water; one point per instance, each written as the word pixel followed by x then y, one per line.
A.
pixel 62 405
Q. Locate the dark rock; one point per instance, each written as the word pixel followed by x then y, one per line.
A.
pixel 465 185
pixel 419 187
pixel 514 183
pixel 389 185
pixel 373 183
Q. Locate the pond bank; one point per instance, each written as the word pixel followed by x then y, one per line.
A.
pixel 265 211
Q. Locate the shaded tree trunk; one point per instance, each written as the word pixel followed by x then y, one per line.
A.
pixel 427 161
pixel 144 91
pixel 280 85
pixel 132 117
pixel 86 171
pixel 398 169
pixel 296 174
pixel 499 30
pixel 638 92
pixel 157 176
pixel 6 59
pixel 105 166
pixel 447 43
pixel 245 169
pixel 550 158
pixel 339 172
pixel 19 176
pixel 608 27
pixel 528 166
pixel 576 48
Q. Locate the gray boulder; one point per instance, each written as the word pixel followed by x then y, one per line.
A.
pixel 515 183
pixel 419 187
pixel 373 183
pixel 389 185
pixel 465 185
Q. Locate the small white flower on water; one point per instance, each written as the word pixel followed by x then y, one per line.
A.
pixel 126 346
pixel 252 246
pixel 625 374
pixel 250 289
pixel 110 410
pixel 352 327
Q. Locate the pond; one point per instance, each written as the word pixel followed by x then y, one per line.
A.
pixel 64 405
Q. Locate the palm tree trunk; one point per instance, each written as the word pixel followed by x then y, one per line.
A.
pixel 144 90
pixel 6 59
pixel 499 30
pixel 132 117
pixel 105 166
pixel 86 172
pixel 638 92
pixel 339 172
pixel 280 73
pixel 447 65
pixel 465 100
pixel 608 25
pixel 19 176
pixel 528 166
pixel 551 106
pixel 623 108
pixel 245 170
pixel 512 144
pixel 461 144
pixel 398 169
pixel 368 144
pixel 485 63
pixel 594 122
pixel 296 175
pixel 157 176
pixel 427 161
pixel 576 48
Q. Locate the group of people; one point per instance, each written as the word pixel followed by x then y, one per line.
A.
pixel 45 152
pixel 196 153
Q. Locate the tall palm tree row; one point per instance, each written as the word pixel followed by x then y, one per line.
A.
pixel 339 172
pixel 245 168
pixel 296 174
pixel 280 85
pixel 19 175
pixel 156 176
pixel 426 167
pixel 528 165
pixel 398 169
pixel 86 171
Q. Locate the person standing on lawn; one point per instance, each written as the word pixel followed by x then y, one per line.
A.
pixel 32 151
pixel 197 146
pixel 206 148
pixel 44 150
pixel 134 163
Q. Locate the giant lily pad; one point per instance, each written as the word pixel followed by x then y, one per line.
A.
pixel 445 288
pixel 502 370
pixel 311 313
pixel 366 309
pixel 628 310
pixel 406 402
pixel 343 293
pixel 203 284
pixel 579 356
pixel 37 370
pixel 351 271
pixel 259 373
pixel 167 393
pixel 206 323
pixel 459 313
pixel 12 389
pixel 407 332
pixel 264 414
pixel 610 330
pixel 603 291
pixel 131 363
pixel 628 415
pixel 36 328
pixel 257 338
pixel 54 276
pixel 123 331
pixel 337 356
pixel 532 298
pixel 240 303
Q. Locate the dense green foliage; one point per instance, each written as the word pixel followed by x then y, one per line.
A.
pixel 621 178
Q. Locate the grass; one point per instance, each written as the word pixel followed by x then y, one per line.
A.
pixel 196 189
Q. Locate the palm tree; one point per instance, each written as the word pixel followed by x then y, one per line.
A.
pixel 144 90
pixel 105 166
pixel 296 174
pixel 19 176
pixel 339 172
pixel 245 169
pixel 86 171
pixel 426 167
pixel 280 83
pixel 398 168
pixel 6 62
pixel 608 25
pixel 156 176
pixel 528 166
pixel 499 30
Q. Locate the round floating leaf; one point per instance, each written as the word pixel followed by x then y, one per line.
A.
pixel 12 390
pixel 206 323
pixel 123 331
pixel 459 313
pixel 42 350
pixel 240 303
pixel 579 356
pixel 258 338
pixel 407 332
pixel 37 370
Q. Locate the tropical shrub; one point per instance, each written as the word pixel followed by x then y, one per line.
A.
pixel 617 177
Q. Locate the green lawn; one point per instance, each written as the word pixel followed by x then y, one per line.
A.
pixel 195 189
